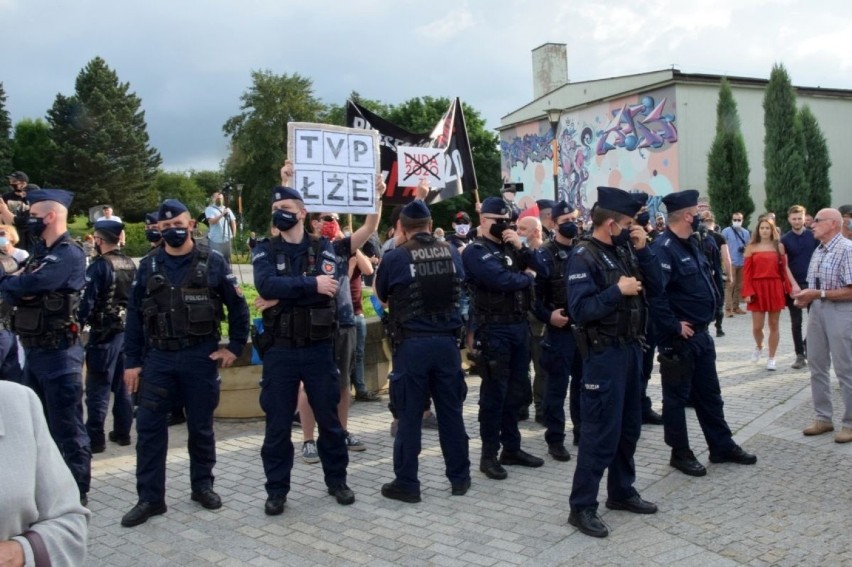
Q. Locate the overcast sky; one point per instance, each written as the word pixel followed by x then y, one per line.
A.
pixel 189 60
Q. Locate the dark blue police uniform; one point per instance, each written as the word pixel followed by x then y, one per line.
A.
pixel 688 366
pixel 173 326
pixel 501 292
pixel 297 347
pixel 421 281
pixel 611 328
pixel 559 355
pixel 45 297
pixel 108 282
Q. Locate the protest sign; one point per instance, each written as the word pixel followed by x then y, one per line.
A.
pixel 334 168
pixel 416 164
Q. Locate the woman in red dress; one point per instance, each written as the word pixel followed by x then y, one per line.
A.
pixel 765 283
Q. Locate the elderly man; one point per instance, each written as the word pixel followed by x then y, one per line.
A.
pixel 530 230
pixel 829 295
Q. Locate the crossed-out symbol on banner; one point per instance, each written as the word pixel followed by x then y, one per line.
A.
pixel 422 166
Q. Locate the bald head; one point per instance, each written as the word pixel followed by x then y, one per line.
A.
pixel 826 224
pixel 530 228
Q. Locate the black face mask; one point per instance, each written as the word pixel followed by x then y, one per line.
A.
pixel 622 237
pixel 644 218
pixel 498 228
pixel 696 222
pixel 36 226
pixel 284 220
pixel 568 229
pixel 98 250
pixel 175 237
pixel 152 235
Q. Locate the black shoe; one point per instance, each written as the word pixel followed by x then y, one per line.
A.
pixel 367 396
pixel 207 498
pixel 492 468
pixel 588 522
pixel 685 462
pixel 558 452
pixel 98 448
pixel 736 455
pixel 520 457
pixel 176 418
pixel 720 333
pixel 121 440
pixel 140 513
pixel 394 492
pixel 343 494
pixel 634 504
pixel 524 414
pixel 652 418
pixel 84 500
pixel 461 489
pixel 274 505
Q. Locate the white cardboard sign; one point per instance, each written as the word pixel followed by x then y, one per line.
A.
pixel 416 164
pixel 334 168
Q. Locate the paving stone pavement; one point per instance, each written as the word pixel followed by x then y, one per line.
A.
pixel 792 508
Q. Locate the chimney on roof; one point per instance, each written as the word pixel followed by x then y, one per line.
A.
pixel 550 68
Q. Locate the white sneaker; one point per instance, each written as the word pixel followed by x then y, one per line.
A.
pixel 770 364
pixel 755 355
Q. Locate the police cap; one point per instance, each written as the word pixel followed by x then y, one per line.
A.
pixel 152 218
pixel 415 210
pixel 641 197
pixel 170 208
pixel 60 196
pixel 561 208
pixel 19 176
pixel 281 193
pixel 494 206
pixel 618 200
pixel 111 227
pixel 681 200
pixel 545 204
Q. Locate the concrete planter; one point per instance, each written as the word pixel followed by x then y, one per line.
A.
pixel 239 396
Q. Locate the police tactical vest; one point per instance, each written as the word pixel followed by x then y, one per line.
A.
pixel 493 306
pixel 556 295
pixel 303 323
pixel 177 316
pixel 630 320
pixel 110 309
pixel 435 293
pixel 10 265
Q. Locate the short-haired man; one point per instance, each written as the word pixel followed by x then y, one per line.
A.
pixel 222 225
pixel 531 232
pixel 799 243
pixel 545 215
pixel 15 207
pixel 737 238
pixel 829 295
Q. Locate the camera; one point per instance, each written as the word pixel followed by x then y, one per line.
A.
pixel 741 249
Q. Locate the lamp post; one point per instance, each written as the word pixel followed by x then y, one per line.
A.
pixel 553 116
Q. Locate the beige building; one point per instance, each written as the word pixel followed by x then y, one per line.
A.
pixel 650 131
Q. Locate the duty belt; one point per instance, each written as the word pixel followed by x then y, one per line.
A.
pixel 406 334
pixel 51 341
pixel 500 319
pixel 179 344
pixel 286 342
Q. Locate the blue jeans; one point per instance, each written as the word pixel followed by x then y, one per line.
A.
pixel 357 374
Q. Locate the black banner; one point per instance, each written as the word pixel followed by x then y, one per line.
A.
pixel 449 134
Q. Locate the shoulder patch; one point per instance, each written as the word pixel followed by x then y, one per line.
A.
pixel 258 256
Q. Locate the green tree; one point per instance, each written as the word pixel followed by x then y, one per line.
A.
pixel 727 162
pixel 259 136
pixel 209 181
pixel 784 151
pixel 103 149
pixel 5 135
pixel 180 186
pixel 336 113
pixel 817 163
pixel 33 151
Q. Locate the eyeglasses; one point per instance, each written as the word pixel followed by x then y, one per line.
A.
pixel 815 221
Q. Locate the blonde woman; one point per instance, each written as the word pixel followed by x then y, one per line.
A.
pixel 8 241
pixel 766 281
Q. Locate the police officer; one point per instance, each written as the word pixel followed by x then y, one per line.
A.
pixel 294 273
pixel 104 306
pixel 172 348
pixel 152 230
pixel 687 353
pixel 421 281
pixel 545 215
pixel 558 347
pixel 45 297
pixel 500 273
pixel 509 194
pixel 606 301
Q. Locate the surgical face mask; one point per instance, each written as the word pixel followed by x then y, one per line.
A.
pixel 524 240
pixel 568 229
pixel 849 224
pixel 284 220
pixel 175 237
pixel 498 228
pixel 622 237
pixel 737 223
pixel 4 242
pixel 462 229
pixel 152 235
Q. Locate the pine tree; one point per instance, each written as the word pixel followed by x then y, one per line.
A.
pixel 103 150
pixel 817 163
pixel 5 136
pixel 33 151
pixel 784 151
pixel 727 162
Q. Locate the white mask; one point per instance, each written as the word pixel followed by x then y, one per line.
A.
pixel 737 223
pixel 3 241
pixel 462 229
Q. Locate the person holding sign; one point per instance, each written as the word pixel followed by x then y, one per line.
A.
pixel 295 277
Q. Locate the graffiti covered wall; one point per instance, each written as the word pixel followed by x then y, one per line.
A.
pixel 630 143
